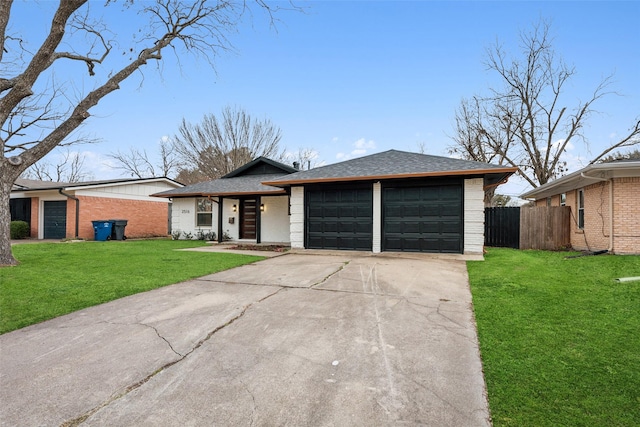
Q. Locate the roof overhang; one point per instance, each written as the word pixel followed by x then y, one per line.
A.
pixel 93 184
pixel 102 184
pixel 493 175
pixel 584 177
pixel 278 192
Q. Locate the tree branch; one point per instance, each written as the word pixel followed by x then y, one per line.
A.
pixel 5 11
pixel 632 138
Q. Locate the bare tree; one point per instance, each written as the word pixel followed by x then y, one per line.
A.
pixel 217 146
pixel 483 133
pixel 137 163
pixel 38 112
pixel 306 158
pixel 69 167
pixel 189 176
pixel 526 123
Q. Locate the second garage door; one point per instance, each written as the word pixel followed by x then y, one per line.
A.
pixel 339 218
pixel 425 218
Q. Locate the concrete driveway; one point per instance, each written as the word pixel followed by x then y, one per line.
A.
pixel 301 339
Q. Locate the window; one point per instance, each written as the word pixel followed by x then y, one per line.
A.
pixel 563 199
pixel 548 201
pixel 580 209
pixel 204 211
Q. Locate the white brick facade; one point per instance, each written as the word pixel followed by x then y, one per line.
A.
pixel 377 218
pixel 297 218
pixel 473 216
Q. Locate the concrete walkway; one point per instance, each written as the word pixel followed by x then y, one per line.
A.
pixel 299 339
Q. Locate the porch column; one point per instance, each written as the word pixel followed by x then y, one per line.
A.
pixel 220 203
pixel 377 218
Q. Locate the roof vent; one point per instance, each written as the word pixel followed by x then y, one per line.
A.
pixel 296 165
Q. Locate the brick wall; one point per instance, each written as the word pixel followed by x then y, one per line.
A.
pixel 145 219
pixel 35 203
pixel 626 215
pixel 596 232
pixel 596 216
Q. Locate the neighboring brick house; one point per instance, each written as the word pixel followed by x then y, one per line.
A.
pixel 605 205
pixel 391 201
pixel 57 210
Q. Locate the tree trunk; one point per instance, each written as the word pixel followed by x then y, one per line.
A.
pixel 488 196
pixel 6 257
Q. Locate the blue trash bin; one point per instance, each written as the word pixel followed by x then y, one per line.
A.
pixel 102 230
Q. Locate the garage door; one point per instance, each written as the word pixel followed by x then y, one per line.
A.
pixel 339 218
pixel 427 218
pixel 55 220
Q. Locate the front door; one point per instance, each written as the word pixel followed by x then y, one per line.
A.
pixel 55 219
pixel 248 219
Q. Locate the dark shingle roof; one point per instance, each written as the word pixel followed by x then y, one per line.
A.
pixel 263 164
pixel 33 184
pixel 249 184
pixel 392 164
pixel 245 180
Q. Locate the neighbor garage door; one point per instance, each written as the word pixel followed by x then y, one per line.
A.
pixel 55 220
pixel 424 218
pixel 339 218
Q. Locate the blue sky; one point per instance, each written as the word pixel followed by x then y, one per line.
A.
pixel 354 78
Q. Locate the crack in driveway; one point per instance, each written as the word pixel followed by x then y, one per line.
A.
pixel 329 276
pixel 82 418
pixel 163 338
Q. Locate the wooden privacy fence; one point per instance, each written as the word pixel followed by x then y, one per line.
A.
pixel 545 227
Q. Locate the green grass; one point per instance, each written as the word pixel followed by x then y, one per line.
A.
pixel 58 278
pixel 560 340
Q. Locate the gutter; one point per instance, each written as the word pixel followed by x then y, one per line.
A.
pixel 502 181
pixel 77 208
pixel 305 181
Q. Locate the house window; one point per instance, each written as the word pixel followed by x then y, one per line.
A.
pixel 204 212
pixel 563 199
pixel 548 201
pixel 580 209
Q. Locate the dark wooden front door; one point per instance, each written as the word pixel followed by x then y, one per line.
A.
pixel 248 219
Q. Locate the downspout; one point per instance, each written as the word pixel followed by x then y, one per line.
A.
pixel 488 186
pixel 611 215
pixel 77 208
pixel 610 180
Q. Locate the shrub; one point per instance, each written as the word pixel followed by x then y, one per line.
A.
pixel 205 235
pixel 175 235
pixel 20 230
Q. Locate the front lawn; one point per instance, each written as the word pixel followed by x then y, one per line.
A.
pixel 58 278
pixel 560 340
